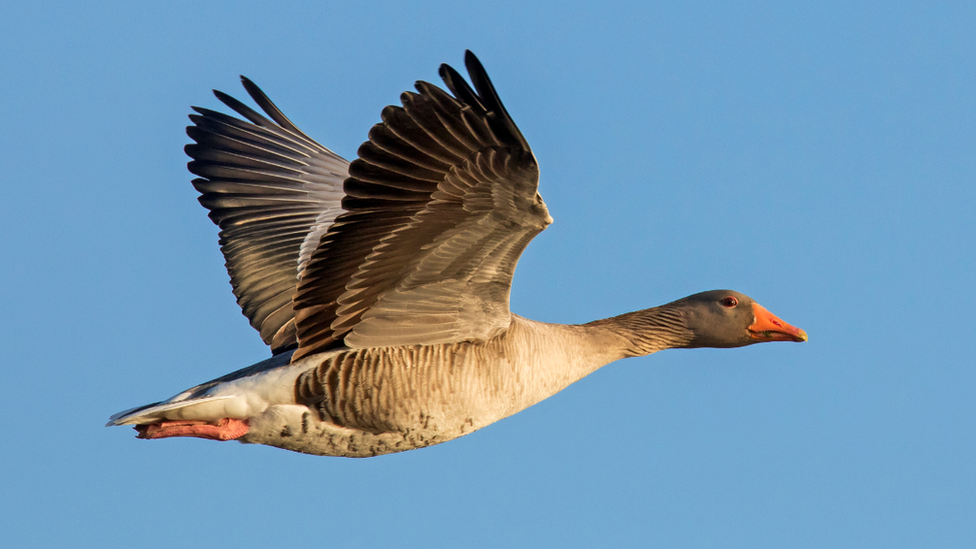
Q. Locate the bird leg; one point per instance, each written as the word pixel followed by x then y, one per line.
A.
pixel 224 429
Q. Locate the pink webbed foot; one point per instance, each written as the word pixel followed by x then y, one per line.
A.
pixel 225 429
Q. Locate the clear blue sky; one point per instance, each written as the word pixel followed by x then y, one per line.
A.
pixel 818 156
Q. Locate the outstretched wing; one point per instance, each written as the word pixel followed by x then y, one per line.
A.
pixel 439 206
pixel 273 192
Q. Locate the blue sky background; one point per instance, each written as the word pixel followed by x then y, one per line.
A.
pixel 818 156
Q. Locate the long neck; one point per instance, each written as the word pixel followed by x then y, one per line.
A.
pixel 649 330
pixel 545 358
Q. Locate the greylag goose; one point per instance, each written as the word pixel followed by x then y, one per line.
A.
pixel 382 285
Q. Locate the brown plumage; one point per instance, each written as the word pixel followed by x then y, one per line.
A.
pixel 382 286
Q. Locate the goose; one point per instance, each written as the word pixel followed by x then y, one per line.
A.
pixel 382 285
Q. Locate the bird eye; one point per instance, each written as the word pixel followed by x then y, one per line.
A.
pixel 730 302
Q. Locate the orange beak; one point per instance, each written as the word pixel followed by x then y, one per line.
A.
pixel 768 327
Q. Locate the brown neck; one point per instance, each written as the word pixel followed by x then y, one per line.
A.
pixel 649 330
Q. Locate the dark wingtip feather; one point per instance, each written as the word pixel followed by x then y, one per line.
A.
pixel 242 109
pixel 269 107
pixel 486 96
pixel 486 90
pixel 460 88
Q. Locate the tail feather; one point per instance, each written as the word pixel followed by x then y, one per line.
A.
pixel 151 413
pixel 201 394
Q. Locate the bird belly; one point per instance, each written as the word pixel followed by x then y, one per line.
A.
pixel 297 428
